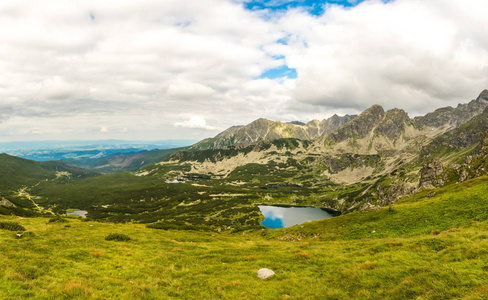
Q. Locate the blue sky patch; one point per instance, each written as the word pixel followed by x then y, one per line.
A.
pixel 314 7
pixel 280 72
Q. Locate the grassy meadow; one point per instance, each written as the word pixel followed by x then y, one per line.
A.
pixel 428 246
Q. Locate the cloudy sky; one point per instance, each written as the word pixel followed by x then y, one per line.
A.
pixel 169 69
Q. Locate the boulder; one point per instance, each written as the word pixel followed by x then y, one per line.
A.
pixel 265 273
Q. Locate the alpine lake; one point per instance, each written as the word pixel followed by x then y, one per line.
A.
pixel 287 216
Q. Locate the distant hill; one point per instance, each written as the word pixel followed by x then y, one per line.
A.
pixel 124 162
pixel 74 149
pixel 19 174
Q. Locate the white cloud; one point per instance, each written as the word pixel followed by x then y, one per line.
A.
pixel 196 123
pixel 416 55
pixel 146 65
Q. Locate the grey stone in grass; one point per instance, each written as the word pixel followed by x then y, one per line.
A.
pixel 265 273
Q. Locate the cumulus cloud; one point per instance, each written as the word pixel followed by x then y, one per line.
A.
pixel 70 68
pixel 196 123
pixel 416 55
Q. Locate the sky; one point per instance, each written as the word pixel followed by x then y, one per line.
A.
pixel 185 69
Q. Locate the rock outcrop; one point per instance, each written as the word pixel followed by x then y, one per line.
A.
pixel 6 203
pixel 432 175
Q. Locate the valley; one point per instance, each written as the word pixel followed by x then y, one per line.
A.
pixel 360 163
pixel 428 247
pixel 405 199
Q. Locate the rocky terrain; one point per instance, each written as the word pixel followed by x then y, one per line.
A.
pixel 390 152
pixel 266 130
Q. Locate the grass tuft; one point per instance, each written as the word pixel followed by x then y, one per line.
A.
pixel 12 226
pixel 117 237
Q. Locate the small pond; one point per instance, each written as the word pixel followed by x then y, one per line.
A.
pixel 80 213
pixel 282 217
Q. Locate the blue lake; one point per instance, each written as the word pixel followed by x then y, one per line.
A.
pixel 282 217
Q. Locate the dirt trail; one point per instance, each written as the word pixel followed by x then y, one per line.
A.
pixel 23 193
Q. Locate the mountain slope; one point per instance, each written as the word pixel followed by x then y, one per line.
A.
pixel 425 248
pixel 266 130
pixel 18 174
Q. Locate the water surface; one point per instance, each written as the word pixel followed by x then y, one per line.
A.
pixel 282 217
pixel 80 213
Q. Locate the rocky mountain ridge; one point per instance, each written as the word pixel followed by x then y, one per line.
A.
pixel 267 130
pixel 377 156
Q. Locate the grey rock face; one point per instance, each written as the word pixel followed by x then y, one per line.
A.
pixel 432 175
pixel 454 116
pixel 266 130
pixel 393 124
pixel 361 125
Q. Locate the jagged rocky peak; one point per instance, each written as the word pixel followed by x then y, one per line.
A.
pixel 453 117
pixel 296 123
pixel 263 129
pixel 360 126
pixel 483 97
pixel 394 123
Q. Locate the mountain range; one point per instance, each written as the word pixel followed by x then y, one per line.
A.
pixel 345 164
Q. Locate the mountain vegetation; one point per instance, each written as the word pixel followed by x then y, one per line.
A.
pixel 408 196
pixel 427 247
pixel 356 163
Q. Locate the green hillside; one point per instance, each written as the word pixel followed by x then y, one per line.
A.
pixel 18 175
pixel 17 172
pixel 433 245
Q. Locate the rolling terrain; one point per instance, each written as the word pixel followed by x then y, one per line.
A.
pixel 411 194
pixel 366 162
pixel 426 247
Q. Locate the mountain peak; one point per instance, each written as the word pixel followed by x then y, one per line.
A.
pixel 375 109
pixel 483 96
pixel 361 125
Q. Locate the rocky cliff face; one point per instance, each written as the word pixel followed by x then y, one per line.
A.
pixel 266 130
pixel 393 123
pixel 360 126
pixel 467 135
pixel 453 117
pixel 432 175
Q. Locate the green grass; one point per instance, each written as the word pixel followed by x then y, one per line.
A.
pixel 426 248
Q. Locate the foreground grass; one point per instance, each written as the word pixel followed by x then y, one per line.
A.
pixel 427 248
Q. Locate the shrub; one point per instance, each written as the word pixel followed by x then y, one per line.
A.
pixel 57 219
pixel 12 226
pixel 436 232
pixel 167 226
pixel 117 237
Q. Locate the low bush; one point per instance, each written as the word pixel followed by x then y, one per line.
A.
pixel 117 237
pixel 57 219
pixel 12 226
